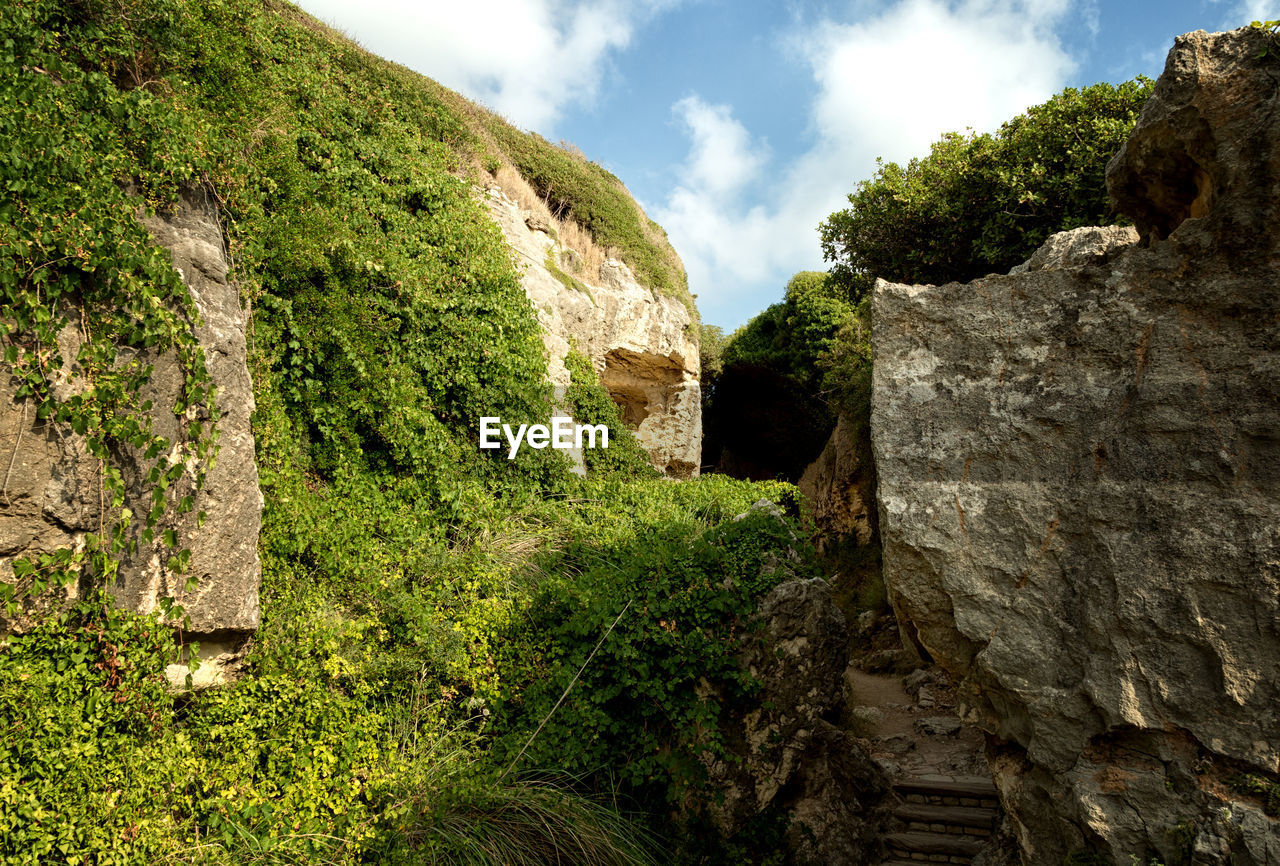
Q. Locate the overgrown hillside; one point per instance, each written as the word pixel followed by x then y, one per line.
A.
pixel 425 604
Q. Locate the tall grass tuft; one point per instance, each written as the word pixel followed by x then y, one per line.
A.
pixel 527 823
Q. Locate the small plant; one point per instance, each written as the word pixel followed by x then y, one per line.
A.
pixel 1271 28
pixel 1269 791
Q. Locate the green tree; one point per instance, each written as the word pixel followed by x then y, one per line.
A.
pixel 979 204
pixel 789 337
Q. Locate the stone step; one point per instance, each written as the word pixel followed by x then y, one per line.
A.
pixel 949 786
pixel 957 816
pixel 933 843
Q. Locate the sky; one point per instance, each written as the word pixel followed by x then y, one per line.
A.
pixel 739 125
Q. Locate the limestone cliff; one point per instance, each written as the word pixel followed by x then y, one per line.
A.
pixel 1079 487
pixel 52 495
pixel 643 345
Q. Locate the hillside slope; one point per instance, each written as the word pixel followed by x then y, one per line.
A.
pixel 426 608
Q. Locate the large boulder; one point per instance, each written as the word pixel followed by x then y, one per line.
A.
pixel 52 498
pixel 1079 487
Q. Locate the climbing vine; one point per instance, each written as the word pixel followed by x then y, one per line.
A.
pixel 87 300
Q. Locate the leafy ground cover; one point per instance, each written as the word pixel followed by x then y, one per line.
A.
pixel 426 605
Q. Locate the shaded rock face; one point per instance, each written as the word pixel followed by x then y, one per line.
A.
pixel 1079 486
pixel 791 759
pixel 644 346
pixel 841 484
pixel 761 426
pixel 52 499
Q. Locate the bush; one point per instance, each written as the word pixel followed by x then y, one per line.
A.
pixel 667 596
pixel 979 204
pixel 791 336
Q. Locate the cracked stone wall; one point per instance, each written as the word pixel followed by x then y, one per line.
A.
pixel 52 500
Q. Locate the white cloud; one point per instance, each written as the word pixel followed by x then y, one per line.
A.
pixel 1254 10
pixel 888 85
pixel 526 59
pixel 1243 12
pixel 722 157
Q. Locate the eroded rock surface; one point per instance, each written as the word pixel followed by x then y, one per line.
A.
pixel 644 346
pixel 790 759
pixel 52 496
pixel 841 485
pixel 1079 487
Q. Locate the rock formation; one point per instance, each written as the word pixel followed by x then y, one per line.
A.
pixel 841 484
pixel 644 346
pixel 52 496
pixel 790 759
pixel 1079 488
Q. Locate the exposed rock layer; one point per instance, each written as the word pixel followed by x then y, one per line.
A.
pixel 841 484
pixel 1079 486
pixel 52 497
pixel 644 346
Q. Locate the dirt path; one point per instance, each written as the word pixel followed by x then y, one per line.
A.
pixel 916 732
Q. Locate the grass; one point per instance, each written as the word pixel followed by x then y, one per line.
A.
pixel 592 209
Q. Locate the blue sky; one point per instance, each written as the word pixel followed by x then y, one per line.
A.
pixel 739 125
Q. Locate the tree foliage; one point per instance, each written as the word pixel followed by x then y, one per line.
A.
pixel 979 204
pixel 790 336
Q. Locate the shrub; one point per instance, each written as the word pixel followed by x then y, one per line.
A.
pixel 979 204
pixel 671 595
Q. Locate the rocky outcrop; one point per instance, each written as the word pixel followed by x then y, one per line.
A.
pixel 1079 487
pixel 841 485
pixel 52 493
pixel 789 758
pixel 644 346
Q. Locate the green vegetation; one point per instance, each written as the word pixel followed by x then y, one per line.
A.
pixel 791 337
pixel 566 280
pixel 75 254
pixel 792 369
pixel 711 343
pixel 576 188
pixel 442 674
pixel 1266 789
pixel 980 204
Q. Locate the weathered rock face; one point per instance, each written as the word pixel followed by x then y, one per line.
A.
pixel 644 346
pixel 841 484
pixel 52 496
pixel 1079 486
pixel 790 758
